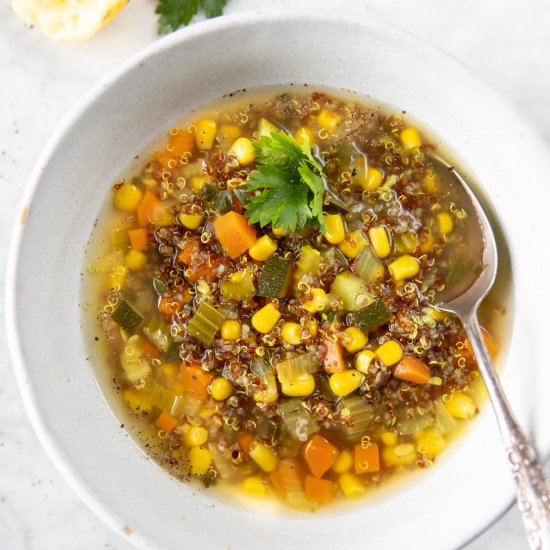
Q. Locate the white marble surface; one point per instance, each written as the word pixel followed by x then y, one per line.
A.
pixel 505 41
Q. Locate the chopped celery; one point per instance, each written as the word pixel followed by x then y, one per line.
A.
pixel 269 392
pixel 292 368
pixel 361 415
pixel 368 266
pixel 205 323
pixel 405 243
pixel 444 420
pixel 371 317
pixel 352 290
pixel 297 419
pixel 119 236
pixel 159 334
pixel 240 286
pixel 291 483
pixel 135 366
pixel 308 264
pixel 126 317
pixel 273 282
pixel 412 426
pixel 167 400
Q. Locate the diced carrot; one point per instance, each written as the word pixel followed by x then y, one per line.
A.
pixel 181 143
pixel 200 265
pixel 277 482
pixel 166 160
pixel 320 455
pixel 147 209
pixel 148 347
pixel 234 233
pixel 245 440
pixel 366 458
pixel 195 381
pixel 334 360
pixel 318 490
pixel 412 369
pixel 287 477
pixel 169 307
pixel 166 422
pixel 189 252
pixel 139 238
pixel 489 342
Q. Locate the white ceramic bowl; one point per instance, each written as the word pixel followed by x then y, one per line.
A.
pixel 439 508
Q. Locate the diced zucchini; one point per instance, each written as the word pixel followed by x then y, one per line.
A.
pixel 159 334
pixel 275 277
pixel 240 286
pixel 205 323
pixel 127 317
pixel 352 290
pixel 292 368
pixel 368 266
pixel 405 243
pixel 370 317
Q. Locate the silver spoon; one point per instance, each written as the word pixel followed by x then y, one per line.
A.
pixel 533 491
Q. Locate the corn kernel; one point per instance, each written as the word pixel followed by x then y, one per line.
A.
pixel 312 327
pixel 353 244
pixel 135 260
pixel 402 454
pixel 351 485
pixel 127 197
pixel 404 267
pixel 354 339
pixel 262 249
pixel 373 179
pixel 205 133
pixel 244 151
pixel 430 182
pixel 343 383
pixel 299 387
pixel 191 221
pixel 228 133
pixel 343 462
pixel 230 329
pixel 278 232
pixel 200 460
pixel 335 232
pixel 221 389
pixel 445 223
pixel 430 442
pixel 198 182
pixel 266 128
pixel 328 119
pixel 363 360
pixel 195 436
pixel 138 401
pixel 266 318
pixel 317 302
pixel 427 246
pixel 291 333
pixel 390 353
pixel 263 456
pixel 301 134
pixel 410 138
pixel 388 438
pixel 254 485
pixel 380 241
pixel 460 405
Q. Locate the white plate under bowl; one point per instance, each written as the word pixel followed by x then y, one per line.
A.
pixel 443 507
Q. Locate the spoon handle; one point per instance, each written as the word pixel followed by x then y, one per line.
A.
pixel 533 491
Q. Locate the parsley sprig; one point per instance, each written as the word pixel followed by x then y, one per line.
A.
pixel 174 13
pixel 291 184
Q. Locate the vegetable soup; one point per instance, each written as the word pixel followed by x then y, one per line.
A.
pixel 265 287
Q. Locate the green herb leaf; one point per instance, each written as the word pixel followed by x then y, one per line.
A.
pixel 291 184
pixel 222 199
pixel 174 13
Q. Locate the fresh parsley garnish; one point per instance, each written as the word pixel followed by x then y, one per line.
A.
pixel 175 13
pixel 223 200
pixel 291 184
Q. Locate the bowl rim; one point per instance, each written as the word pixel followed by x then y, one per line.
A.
pixel 243 18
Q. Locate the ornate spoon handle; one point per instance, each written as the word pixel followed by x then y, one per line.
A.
pixel 533 491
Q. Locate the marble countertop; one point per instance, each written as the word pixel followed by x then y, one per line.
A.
pixel 505 41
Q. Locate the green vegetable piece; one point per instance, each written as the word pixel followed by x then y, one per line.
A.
pixel 240 286
pixel 159 334
pixel 297 419
pixel 352 290
pixel 167 401
pixel 405 243
pixel 459 270
pixel 205 323
pixel 266 128
pixel 174 13
pixel 275 277
pixel 361 412
pixel 368 266
pixel 371 317
pixel 290 183
pixel 127 317
pixel 172 353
